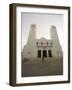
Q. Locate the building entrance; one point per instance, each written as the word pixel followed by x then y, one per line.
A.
pixel 44 53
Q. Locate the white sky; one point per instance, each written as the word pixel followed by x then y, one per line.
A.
pixel 43 24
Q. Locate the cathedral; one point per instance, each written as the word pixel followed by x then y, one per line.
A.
pixel 42 48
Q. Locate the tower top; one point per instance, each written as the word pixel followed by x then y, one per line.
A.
pixel 33 26
pixel 53 28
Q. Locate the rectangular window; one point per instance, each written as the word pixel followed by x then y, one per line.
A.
pixel 39 53
pixel 44 53
pixel 50 53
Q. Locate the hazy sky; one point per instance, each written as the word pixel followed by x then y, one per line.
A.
pixel 43 24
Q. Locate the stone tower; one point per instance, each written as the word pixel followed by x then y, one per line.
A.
pixel 29 49
pixel 32 34
pixel 57 50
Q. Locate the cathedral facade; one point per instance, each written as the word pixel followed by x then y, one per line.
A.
pixel 42 48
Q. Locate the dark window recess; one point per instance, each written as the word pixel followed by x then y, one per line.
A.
pixel 39 53
pixel 44 53
pixel 50 53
